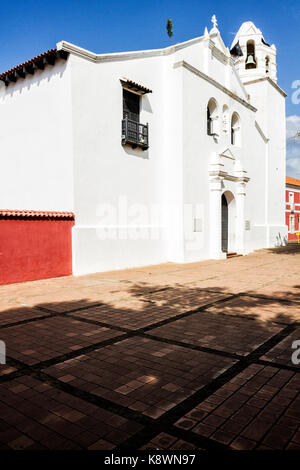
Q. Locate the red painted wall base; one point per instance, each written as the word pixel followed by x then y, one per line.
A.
pixel 34 248
pixel 292 237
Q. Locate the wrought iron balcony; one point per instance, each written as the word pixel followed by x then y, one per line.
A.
pixel 135 134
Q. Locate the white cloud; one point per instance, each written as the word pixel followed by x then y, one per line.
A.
pixel 293 167
pixel 292 150
pixel 292 126
pixel 293 147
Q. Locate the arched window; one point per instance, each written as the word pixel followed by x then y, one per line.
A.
pixel 250 60
pixel 212 116
pixel 267 64
pixel 235 130
pixel 225 119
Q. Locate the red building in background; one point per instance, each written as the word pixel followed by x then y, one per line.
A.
pixel 292 209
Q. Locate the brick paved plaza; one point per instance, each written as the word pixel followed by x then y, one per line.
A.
pixel 194 356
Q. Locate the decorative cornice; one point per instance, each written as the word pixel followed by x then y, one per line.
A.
pixel 85 54
pixel 213 82
pixel 218 54
pixel 219 173
pixel 243 179
pixel 267 79
pixel 224 175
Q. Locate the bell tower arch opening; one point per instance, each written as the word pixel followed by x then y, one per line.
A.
pixel 253 57
pixel 250 60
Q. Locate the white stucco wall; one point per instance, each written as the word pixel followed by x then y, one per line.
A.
pixel 109 174
pixel 36 141
pixel 270 103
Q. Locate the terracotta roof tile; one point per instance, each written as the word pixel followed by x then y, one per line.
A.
pixel 41 214
pixel 292 181
pixel 51 55
pixel 28 62
pixel 135 86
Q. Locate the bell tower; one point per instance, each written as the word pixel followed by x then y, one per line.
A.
pixel 255 63
pixel 253 57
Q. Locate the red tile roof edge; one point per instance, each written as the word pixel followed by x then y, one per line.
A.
pixel 127 81
pixel 40 214
pixel 51 52
pixel 292 181
pixel 28 62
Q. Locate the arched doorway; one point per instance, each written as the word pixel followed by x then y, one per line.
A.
pixel 228 223
pixel 224 224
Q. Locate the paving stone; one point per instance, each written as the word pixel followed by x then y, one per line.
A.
pixel 12 312
pixel 234 335
pixel 6 369
pixel 173 376
pixel 144 308
pixel 48 338
pixel 165 441
pixel 61 421
pixel 245 426
pixel 263 311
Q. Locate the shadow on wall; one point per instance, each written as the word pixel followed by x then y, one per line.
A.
pixel 136 152
pixel 49 73
pixel 146 105
pixel 281 241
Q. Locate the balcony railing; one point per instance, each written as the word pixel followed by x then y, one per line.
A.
pixel 135 134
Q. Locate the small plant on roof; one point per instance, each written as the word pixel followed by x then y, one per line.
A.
pixel 169 27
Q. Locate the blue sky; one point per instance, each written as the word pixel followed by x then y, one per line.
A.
pixel 33 26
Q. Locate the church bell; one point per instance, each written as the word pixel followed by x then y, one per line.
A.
pixel 250 60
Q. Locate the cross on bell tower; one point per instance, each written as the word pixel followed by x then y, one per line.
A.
pixel 214 21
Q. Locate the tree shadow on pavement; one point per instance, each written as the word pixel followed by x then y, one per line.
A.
pixel 157 327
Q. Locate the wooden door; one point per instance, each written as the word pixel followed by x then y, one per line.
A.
pixel 224 224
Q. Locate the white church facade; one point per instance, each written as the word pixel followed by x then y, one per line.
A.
pixel 168 155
